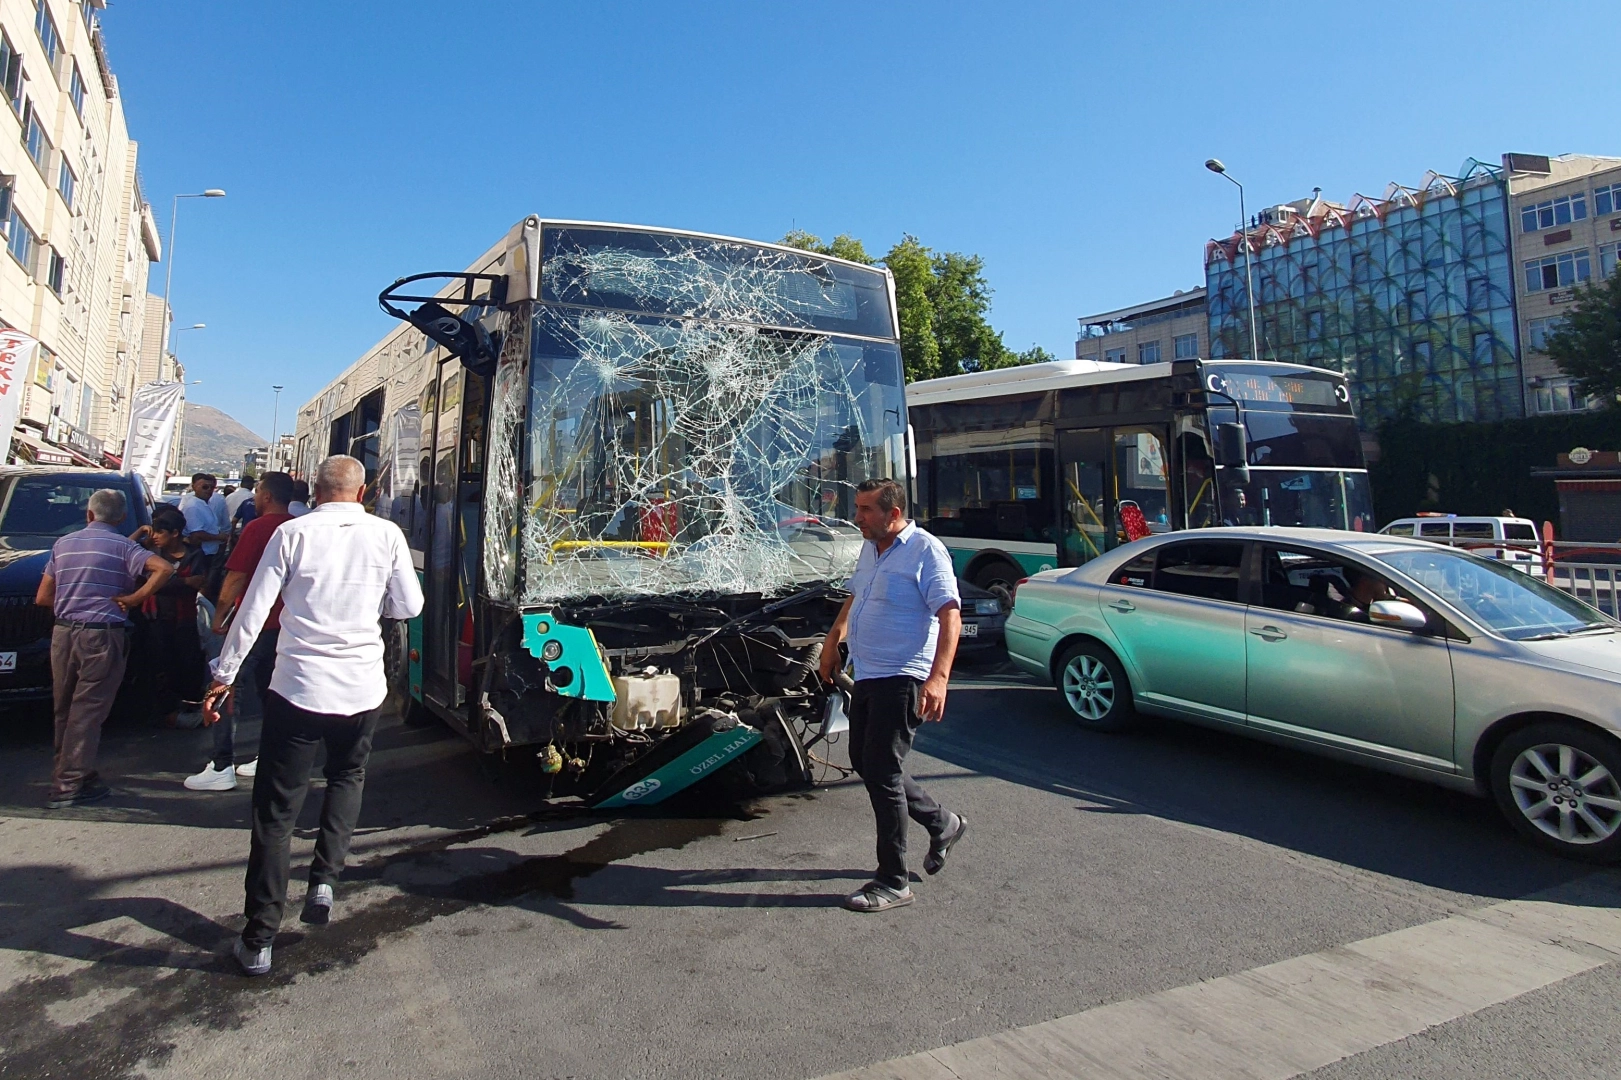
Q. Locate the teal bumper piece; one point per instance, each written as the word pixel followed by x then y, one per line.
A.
pixel 576 654
pixel 685 770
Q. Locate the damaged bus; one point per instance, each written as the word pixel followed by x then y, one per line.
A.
pixel 625 461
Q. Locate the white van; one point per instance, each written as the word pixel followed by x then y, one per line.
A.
pixel 1476 534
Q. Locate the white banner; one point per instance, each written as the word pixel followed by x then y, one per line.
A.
pixel 16 351
pixel 152 417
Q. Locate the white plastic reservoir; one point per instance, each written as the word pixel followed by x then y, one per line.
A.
pixel 643 701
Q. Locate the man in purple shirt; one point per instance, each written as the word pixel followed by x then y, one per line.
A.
pixel 92 581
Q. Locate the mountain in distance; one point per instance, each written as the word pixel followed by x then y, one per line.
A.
pixel 215 442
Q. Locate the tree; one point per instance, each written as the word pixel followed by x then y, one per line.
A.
pixel 844 246
pixel 920 347
pixel 1587 345
pixel 943 301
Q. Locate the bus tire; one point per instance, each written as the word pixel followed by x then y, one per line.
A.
pixel 999 576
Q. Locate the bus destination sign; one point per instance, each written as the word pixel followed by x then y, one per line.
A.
pixel 1300 391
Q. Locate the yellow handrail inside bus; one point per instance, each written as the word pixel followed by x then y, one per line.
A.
pixel 662 547
pixel 1091 512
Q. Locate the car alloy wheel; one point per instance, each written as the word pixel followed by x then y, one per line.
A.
pixel 1566 793
pixel 1089 687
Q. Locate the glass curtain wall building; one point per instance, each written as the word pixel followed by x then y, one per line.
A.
pixel 1410 295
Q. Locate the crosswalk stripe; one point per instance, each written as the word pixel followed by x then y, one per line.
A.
pixel 1287 1018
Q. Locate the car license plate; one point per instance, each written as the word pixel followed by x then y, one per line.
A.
pixel 8 661
pixel 968 630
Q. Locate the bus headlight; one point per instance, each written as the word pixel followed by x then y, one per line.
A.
pixel 551 651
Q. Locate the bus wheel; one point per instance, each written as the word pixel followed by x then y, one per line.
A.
pixel 999 577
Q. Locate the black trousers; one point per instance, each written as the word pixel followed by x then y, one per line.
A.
pixel 288 741
pixel 883 720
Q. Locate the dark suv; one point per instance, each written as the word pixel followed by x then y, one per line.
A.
pixel 38 505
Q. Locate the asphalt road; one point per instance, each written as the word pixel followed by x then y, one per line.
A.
pixel 480 933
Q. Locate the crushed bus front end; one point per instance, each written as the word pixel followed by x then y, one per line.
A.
pixel 640 465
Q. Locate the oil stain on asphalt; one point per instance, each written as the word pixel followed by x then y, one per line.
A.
pixel 149 996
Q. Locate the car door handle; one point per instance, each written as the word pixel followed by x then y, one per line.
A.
pixel 1269 633
pixel 1125 607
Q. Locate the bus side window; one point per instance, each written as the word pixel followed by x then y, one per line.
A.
pixel 1138 573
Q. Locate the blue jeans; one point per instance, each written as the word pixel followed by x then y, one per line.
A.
pixel 261 662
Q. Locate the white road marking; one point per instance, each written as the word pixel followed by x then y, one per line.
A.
pixel 1288 1018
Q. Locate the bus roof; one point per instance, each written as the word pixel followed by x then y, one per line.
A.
pixel 1056 375
pixel 1028 379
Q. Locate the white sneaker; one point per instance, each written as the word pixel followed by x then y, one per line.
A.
pixel 212 779
pixel 253 961
pixel 248 769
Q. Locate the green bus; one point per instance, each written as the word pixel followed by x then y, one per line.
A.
pixel 1029 468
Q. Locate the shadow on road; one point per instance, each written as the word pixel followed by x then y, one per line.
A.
pixel 1316 806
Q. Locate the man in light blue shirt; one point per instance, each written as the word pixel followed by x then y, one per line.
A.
pixel 206 521
pixel 900 624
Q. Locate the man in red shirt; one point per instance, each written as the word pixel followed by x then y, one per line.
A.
pixel 270 498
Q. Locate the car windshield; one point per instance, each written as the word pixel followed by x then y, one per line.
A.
pixel 1504 600
pixel 50 505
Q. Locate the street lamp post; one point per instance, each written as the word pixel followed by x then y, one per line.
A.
pixel 174 220
pixel 275 428
pixel 185 383
pixel 1215 166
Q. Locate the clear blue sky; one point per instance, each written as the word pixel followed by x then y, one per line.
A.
pixel 1063 143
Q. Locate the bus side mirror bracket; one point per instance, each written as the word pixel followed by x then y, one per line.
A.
pixel 1232 449
pixel 461 335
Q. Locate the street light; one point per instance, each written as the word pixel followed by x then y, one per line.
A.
pixel 185 382
pixel 174 220
pixel 1215 166
pixel 275 424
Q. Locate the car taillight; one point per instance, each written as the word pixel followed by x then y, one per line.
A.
pixel 1014 599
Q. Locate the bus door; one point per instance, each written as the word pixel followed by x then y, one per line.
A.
pixel 452 563
pixel 1116 488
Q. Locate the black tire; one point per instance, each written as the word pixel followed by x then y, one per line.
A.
pixel 1539 764
pixel 999 577
pixel 1097 679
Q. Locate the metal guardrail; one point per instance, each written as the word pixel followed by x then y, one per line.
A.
pixel 1589 572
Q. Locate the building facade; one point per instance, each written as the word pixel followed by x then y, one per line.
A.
pixel 79 235
pixel 1566 217
pixel 1411 295
pixel 1175 327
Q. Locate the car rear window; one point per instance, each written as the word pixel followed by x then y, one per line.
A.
pixel 1138 573
pixel 1518 531
pixel 1203 569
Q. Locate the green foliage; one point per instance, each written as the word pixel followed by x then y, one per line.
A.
pixel 920 346
pixel 1480 468
pixel 844 246
pixel 1587 345
pixel 944 301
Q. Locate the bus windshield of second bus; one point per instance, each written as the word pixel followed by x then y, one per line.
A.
pixel 1024 469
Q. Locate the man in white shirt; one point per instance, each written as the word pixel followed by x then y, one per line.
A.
pixel 337 570
pixel 234 501
pixel 207 521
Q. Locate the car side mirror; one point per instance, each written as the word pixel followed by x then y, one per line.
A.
pixel 1398 613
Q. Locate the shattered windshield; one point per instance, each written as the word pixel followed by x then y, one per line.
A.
pixel 679 455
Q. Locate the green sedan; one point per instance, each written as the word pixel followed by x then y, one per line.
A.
pixel 1398 654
